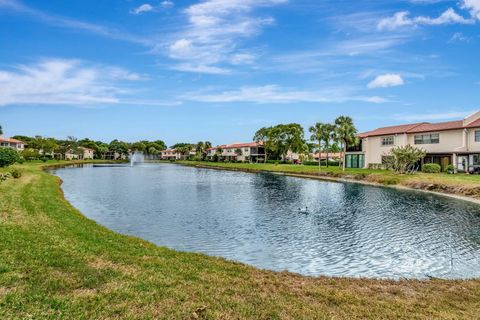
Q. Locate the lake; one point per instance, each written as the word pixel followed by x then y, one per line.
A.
pixel 280 223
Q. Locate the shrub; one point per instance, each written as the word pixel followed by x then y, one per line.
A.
pixel 431 168
pixel 403 159
pixel 15 173
pixel 323 163
pixel 4 176
pixel 377 166
pixel 8 157
pixel 450 168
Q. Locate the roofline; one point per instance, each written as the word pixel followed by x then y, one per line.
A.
pixel 366 135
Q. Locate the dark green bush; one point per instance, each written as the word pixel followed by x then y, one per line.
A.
pixel 15 173
pixel 323 163
pixel 450 168
pixel 8 157
pixel 431 168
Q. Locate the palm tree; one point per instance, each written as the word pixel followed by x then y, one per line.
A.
pixel 346 134
pixel 322 133
pixel 218 152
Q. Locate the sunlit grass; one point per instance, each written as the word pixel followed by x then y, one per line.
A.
pixel 57 264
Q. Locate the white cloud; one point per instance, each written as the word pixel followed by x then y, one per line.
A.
pixel 215 28
pixel 206 69
pixel 69 82
pixel 473 6
pixel 402 19
pixel 275 94
pixel 167 4
pixel 142 8
pixel 432 116
pixel 459 37
pixel 386 80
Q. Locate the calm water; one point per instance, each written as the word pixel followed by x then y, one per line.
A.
pixel 349 230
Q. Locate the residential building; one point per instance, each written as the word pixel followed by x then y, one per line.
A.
pixel 82 154
pixel 453 142
pixel 12 143
pixel 332 156
pixel 113 155
pixel 170 154
pixel 248 151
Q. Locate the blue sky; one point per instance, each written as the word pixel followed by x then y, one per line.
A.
pixel 219 69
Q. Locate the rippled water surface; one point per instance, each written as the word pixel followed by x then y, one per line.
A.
pixel 349 230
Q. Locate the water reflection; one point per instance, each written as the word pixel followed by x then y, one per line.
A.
pixel 350 229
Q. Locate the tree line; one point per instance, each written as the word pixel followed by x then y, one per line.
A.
pixel 326 137
pixel 39 147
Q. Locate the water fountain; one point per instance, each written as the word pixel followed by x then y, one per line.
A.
pixel 136 157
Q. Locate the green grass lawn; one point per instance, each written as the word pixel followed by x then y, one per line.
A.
pixel 57 264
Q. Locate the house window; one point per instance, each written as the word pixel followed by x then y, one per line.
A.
pixel 477 135
pixel 427 138
pixel 388 141
pixel 476 159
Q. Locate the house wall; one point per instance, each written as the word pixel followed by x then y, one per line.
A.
pixel 450 142
pixel 471 144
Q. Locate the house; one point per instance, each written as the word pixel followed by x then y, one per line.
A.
pixel 169 154
pixel 332 156
pixel 454 142
pixel 248 151
pixel 88 153
pixel 82 154
pixel 12 143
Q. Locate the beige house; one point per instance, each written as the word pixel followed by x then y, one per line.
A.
pixel 83 154
pixel 453 142
pixel 12 143
pixel 248 151
pixel 170 154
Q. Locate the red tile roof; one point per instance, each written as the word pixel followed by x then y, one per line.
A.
pixel 474 124
pixel 419 127
pixel 404 128
pixel 428 127
pixel 237 145
pixel 9 140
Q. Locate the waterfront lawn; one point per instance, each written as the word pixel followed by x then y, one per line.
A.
pixel 57 264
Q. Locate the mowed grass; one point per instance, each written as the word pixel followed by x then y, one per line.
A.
pixel 57 264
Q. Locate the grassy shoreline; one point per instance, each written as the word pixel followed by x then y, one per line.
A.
pixel 56 263
pixel 461 185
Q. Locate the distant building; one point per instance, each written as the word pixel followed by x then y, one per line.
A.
pixel 82 154
pixel 12 143
pixel 248 151
pixel 170 154
pixel 333 156
pixel 173 154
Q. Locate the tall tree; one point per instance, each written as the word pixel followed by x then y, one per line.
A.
pixel 1 130
pixel 119 147
pixel 184 150
pixel 346 134
pixel 322 133
pixel 287 137
pixel 317 136
pixel 263 136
